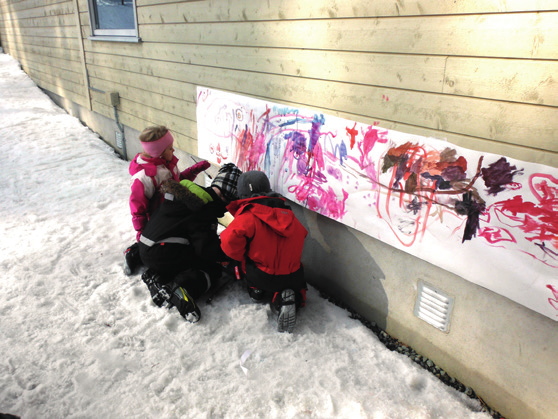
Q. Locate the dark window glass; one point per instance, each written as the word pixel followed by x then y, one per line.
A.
pixel 114 14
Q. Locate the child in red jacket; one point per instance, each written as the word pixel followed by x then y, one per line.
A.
pixel 149 170
pixel 267 238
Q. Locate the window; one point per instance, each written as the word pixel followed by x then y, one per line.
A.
pixel 113 20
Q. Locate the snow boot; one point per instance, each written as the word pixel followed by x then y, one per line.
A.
pixel 159 294
pixel 183 302
pixel 132 259
pixel 257 295
pixel 284 305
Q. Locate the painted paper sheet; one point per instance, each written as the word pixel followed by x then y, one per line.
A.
pixel 490 219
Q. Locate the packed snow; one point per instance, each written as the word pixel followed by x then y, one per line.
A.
pixel 79 339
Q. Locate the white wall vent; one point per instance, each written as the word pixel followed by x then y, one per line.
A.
pixel 433 306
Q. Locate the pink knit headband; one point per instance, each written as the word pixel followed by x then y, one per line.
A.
pixel 157 147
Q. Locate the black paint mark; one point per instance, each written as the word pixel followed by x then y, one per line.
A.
pixel 472 209
pixel 498 175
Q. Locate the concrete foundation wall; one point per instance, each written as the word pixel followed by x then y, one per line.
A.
pixel 504 351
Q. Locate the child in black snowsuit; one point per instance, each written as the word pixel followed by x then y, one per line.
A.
pixel 180 244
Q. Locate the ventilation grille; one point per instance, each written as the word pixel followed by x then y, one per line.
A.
pixel 433 306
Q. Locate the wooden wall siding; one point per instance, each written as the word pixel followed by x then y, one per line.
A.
pixel 51 22
pixel 481 73
pixel 516 35
pixel 505 122
pixel 23 5
pixel 241 10
pixel 501 79
pixel 47 42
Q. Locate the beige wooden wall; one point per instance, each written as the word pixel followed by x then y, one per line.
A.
pixel 481 73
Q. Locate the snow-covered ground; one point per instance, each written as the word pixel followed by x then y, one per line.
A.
pixel 79 339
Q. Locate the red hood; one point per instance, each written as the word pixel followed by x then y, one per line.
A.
pixel 280 220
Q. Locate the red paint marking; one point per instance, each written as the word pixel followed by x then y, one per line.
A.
pixel 352 132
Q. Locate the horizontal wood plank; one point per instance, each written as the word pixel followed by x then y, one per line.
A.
pixel 407 72
pixel 57 32
pixel 38 52
pixel 154 11
pixel 51 64
pixel 516 35
pixel 53 74
pixel 153 85
pixel 511 80
pixel 170 105
pixel 38 11
pixel 46 21
pixel 66 43
pixel 16 7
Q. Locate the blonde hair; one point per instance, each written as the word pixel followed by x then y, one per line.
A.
pixel 153 133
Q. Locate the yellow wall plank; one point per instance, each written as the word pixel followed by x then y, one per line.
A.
pixel 39 11
pixel 152 11
pixel 517 35
pixel 408 72
pixel 22 6
pixel 66 43
pixel 53 64
pixel 53 32
pixel 151 84
pixel 38 52
pixel 46 21
pixel 511 80
pixel 173 106
pixel 54 76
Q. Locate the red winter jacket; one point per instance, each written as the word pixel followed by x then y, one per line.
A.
pixel 266 231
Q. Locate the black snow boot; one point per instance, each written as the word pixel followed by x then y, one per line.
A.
pixel 132 260
pixel 184 303
pixel 159 294
pixel 284 305
pixel 257 295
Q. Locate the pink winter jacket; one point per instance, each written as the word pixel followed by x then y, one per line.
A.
pixel 147 176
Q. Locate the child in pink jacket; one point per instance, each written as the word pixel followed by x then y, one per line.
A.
pixel 149 170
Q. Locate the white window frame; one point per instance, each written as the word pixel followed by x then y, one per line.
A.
pixel 121 35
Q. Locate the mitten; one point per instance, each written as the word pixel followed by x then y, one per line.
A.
pixel 191 172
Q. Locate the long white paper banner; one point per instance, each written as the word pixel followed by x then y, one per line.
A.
pixel 490 219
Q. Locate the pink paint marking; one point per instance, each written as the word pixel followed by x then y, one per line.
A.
pixel 553 301
pixel 538 222
pixel 496 235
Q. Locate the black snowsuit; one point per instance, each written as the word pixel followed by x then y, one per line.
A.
pixel 180 238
